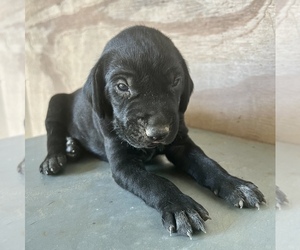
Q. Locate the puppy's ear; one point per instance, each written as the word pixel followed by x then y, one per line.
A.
pixel 94 90
pixel 187 91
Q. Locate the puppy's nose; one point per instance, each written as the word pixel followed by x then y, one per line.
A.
pixel 157 133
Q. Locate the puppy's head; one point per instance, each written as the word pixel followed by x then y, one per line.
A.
pixel 142 85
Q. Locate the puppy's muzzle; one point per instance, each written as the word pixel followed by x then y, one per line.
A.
pixel 157 133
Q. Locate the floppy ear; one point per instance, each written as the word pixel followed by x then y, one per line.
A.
pixel 94 90
pixel 187 91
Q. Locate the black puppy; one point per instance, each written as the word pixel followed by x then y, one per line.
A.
pixel 130 109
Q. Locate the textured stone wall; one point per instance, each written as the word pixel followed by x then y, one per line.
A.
pixel 12 69
pixel 288 71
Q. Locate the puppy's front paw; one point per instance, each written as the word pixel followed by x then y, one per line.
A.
pixel 184 215
pixel 240 193
pixel 53 164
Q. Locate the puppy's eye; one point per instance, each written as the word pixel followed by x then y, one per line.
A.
pixel 176 82
pixel 122 87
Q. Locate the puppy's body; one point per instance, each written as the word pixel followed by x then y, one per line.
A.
pixel 130 109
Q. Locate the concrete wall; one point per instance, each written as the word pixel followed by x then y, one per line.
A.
pixel 12 69
pixel 288 71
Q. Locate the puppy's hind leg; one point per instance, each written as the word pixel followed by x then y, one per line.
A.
pixel 73 149
pixel 56 126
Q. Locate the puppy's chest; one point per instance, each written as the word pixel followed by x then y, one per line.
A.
pixel 149 154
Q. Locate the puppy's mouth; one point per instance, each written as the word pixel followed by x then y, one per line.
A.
pixel 138 134
pixel 141 140
pixel 156 145
pixel 146 145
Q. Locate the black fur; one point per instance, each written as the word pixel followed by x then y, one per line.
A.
pixel 130 109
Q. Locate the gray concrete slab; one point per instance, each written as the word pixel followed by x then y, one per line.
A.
pixel 84 209
pixel 288 179
pixel 12 194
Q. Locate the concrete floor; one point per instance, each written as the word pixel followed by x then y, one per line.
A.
pixel 84 209
pixel 12 194
pixel 288 179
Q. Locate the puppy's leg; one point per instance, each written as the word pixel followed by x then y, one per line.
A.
pixel 21 167
pixel 56 126
pixel 73 149
pixel 189 157
pixel 281 198
pixel 180 213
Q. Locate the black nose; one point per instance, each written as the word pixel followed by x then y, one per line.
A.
pixel 156 133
